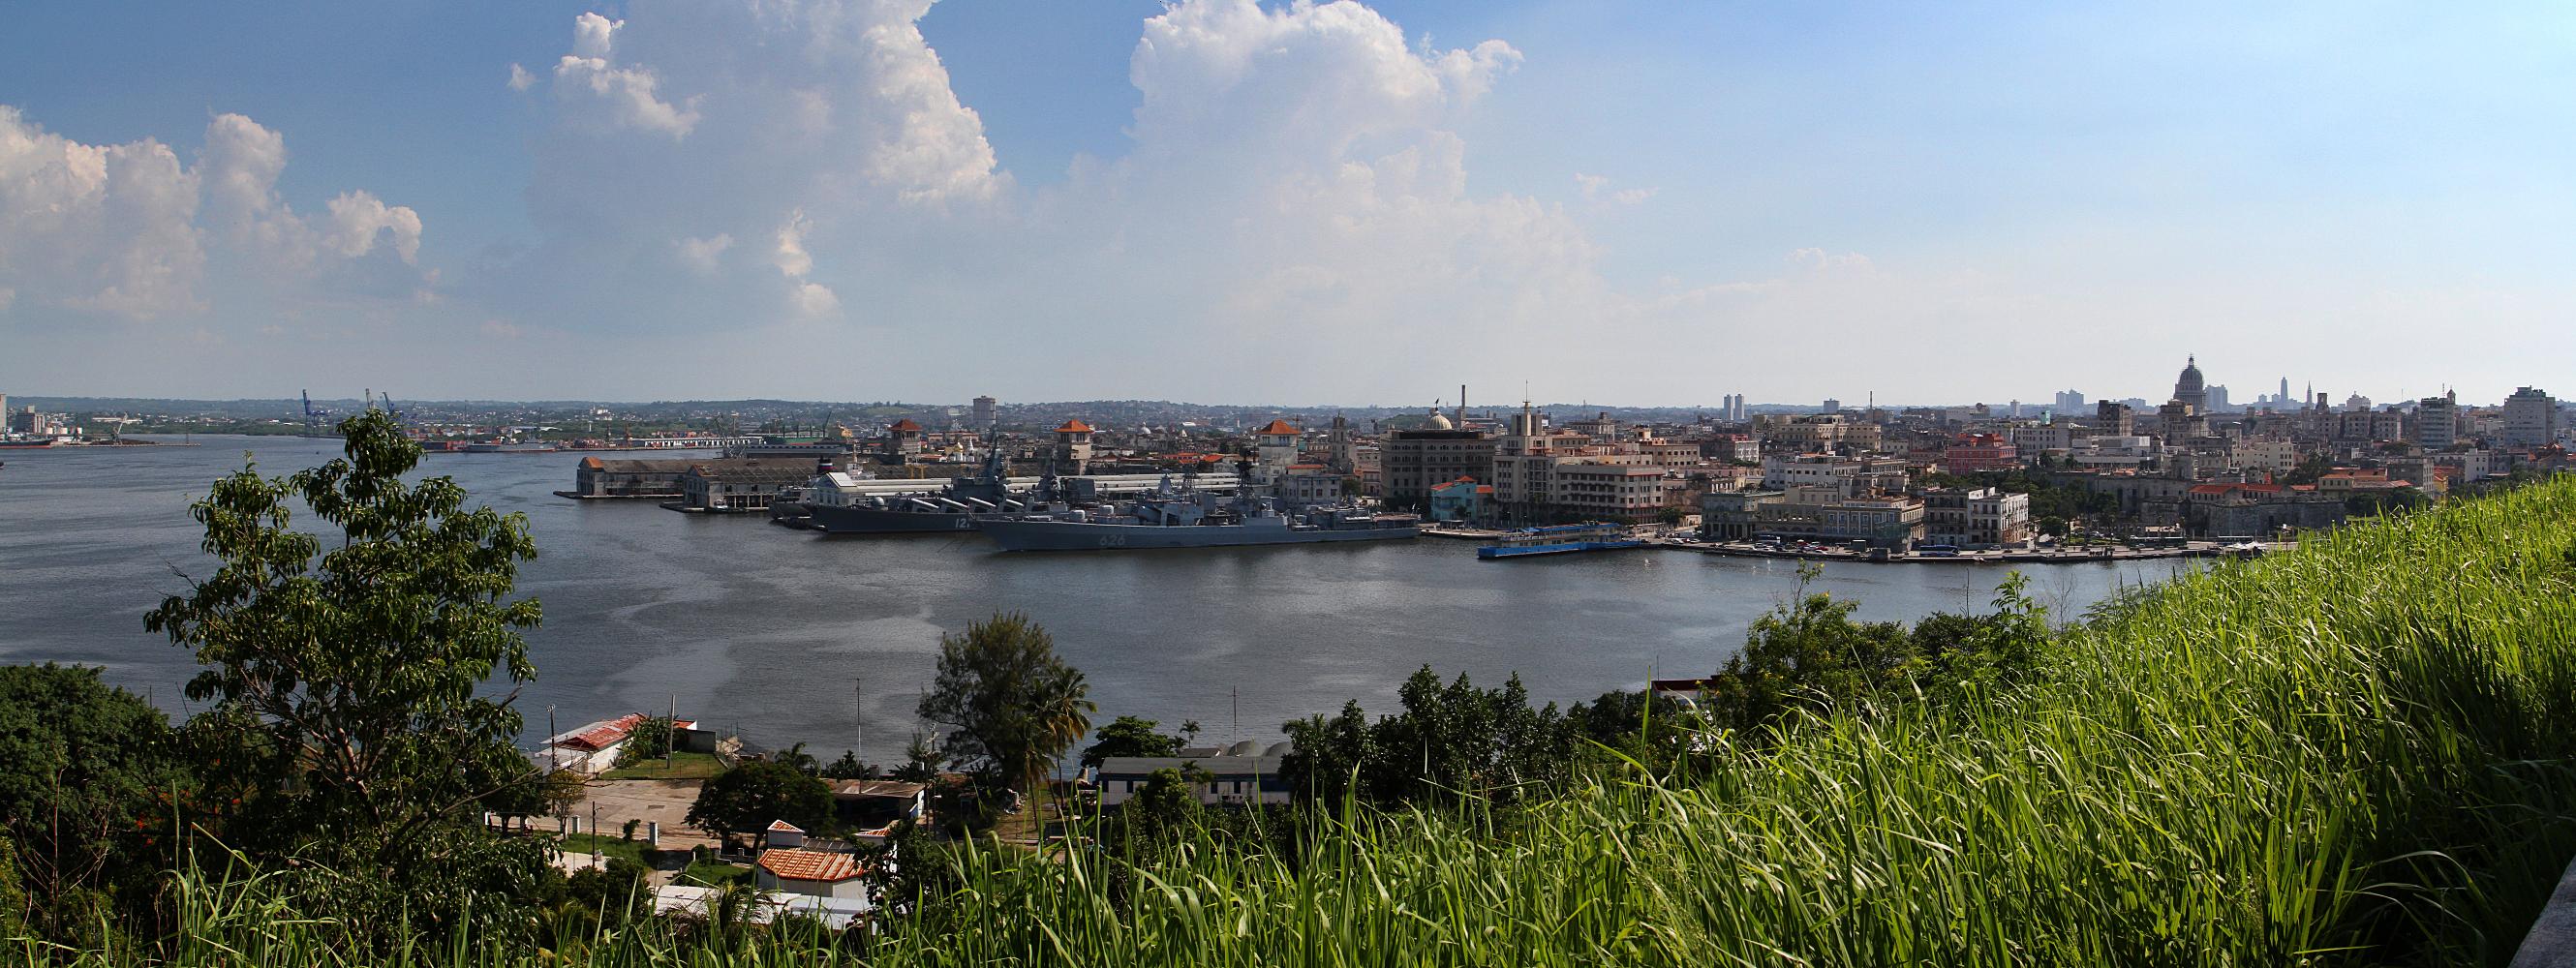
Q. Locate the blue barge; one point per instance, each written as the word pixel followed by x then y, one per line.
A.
pixel 1558 540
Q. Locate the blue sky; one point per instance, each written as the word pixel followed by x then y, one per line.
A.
pixel 1641 203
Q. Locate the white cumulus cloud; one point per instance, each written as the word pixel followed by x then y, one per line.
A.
pixel 131 230
pixel 631 95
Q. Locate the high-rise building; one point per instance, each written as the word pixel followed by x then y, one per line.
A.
pixel 2218 402
pixel 2188 388
pixel 2069 403
pixel 1414 462
pixel 984 413
pixel 1832 405
pixel 2113 419
pixel 2530 419
pixel 2437 421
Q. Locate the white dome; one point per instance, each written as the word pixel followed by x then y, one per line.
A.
pixel 1440 421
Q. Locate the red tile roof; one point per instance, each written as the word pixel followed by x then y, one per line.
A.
pixel 791 864
pixel 1278 428
pixel 905 425
pixel 606 734
pixel 781 826
pixel 1074 427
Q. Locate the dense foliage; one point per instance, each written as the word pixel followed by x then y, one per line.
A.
pixel 88 776
pixel 1012 706
pixel 1130 736
pixel 747 798
pixel 347 678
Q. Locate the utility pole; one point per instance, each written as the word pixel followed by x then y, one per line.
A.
pixel 552 753
pixel 671 733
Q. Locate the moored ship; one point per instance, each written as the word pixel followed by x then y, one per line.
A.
pixel 1191 519
pixel 1558 540
pixel 837 503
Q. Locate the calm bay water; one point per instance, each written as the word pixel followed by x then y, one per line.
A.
pixel 791 636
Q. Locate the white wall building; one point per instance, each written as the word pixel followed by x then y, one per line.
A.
pixel 2530 420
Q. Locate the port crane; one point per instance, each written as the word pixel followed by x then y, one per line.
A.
pixel 314 417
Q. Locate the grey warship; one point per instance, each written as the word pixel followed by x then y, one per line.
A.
pixel 1185 518
pixel 836 508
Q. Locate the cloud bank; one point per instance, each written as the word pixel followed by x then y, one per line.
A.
pixel 130 231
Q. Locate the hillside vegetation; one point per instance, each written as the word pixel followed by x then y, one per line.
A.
pixel 2358 753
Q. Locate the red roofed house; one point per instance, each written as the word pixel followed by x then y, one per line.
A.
pixel 1073 448
pixel 816 873
pixel 588 748
pixel 1275 447
pixel 903 441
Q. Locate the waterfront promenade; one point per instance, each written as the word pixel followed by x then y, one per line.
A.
pixel 2093 554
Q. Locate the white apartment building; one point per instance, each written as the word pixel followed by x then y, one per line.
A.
pixel 2530 420
pixel 2276 456
pixel 1610 492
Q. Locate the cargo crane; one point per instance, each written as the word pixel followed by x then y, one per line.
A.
pixel 314 417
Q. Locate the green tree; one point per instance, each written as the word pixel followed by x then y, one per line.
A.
pixel 13 894
pixel 796 756
pixel 848 767
pixel 921 759
pixel 746 798
pixel 1808 652
pixel 650 740
pixel 83 766
pixel 1011 704
pixel 1129 736
pixel 1634 722
pixel 350 677
pixel 1161 810
pixel 1450 740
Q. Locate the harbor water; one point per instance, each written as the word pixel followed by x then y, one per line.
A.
pixel 791 636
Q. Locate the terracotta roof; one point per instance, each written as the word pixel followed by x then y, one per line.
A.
pixel 904 425
pixel 781 826
pixel 1278 428
pixel 1074 427
pixel 808 865
pixel 605 734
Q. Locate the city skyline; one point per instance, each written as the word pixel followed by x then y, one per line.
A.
pixel 1221 201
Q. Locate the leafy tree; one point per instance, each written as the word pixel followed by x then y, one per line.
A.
pixel 2053 526
pixel 1164 807
pixel 83 766
pixel 349 678
pixel 921 760
pixel 848 767
pixel 562 791
pixel 1129 736
pixel 13 893
pixel 796 756
pixel 1012 705
pixel 1450 740
pixel 1809 653
pixel 650 740
pixel 746 798
pixel 1634 722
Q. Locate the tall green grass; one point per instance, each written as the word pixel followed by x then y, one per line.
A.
pixel 2358 753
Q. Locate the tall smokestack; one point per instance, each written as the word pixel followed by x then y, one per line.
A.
pixel 1462 406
